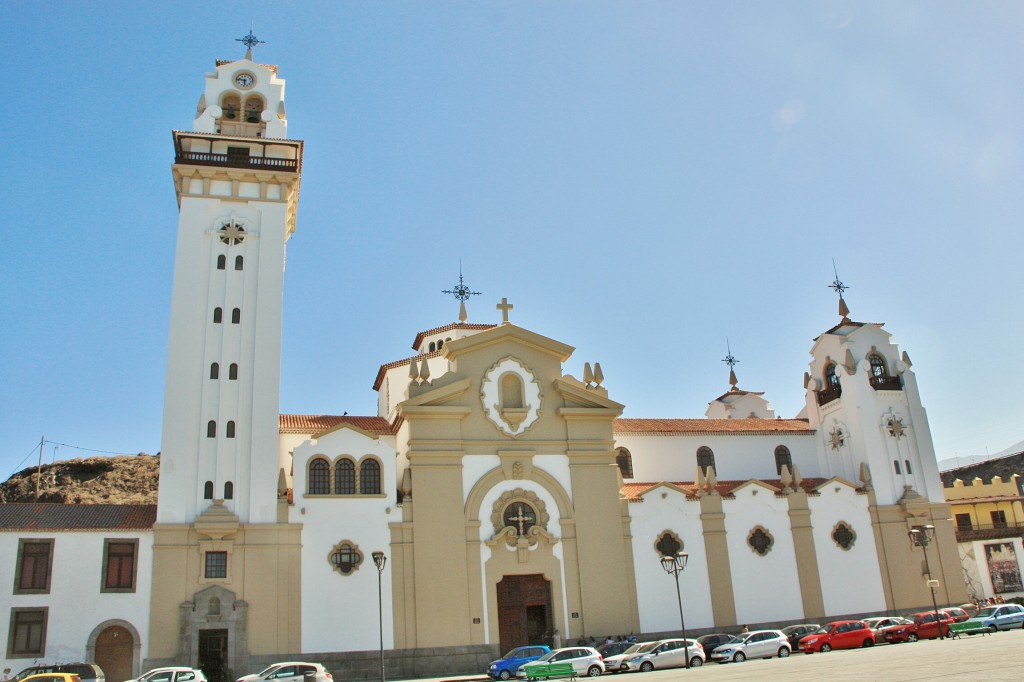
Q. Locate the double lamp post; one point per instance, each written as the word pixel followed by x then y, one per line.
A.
pixel 674 565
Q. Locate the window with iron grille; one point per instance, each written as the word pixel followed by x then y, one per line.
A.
pixel 319 477
pixel 345 477
pixel 369 477
pixel 216 565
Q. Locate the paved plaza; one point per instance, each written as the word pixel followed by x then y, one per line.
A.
pixel 992 658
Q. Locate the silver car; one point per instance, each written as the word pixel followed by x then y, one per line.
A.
pixel 172 674
pixel 665 653
pixel 756 644
pixel 291 671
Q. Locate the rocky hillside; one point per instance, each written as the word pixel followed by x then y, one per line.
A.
pixel 110 480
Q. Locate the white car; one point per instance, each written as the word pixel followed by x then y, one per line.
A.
pixel 171 674
pixel 291 671
pixel 585 661
pixel 617 663
pixel 756 644
pixel 666 653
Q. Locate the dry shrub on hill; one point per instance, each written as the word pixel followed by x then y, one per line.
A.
pixel 123 479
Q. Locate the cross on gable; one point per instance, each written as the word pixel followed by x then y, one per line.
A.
pixel 504 307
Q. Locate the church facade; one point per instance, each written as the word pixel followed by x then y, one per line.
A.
pixel 508 501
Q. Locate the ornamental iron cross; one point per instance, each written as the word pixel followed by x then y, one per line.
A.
pixel 520 518
pixel 836 285
pixel 250 41
pixel 460 290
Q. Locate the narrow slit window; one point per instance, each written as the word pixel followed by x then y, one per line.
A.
pixel 218 315
pixel 233 372
pixel 230 430
pixel 236 316
pixel 211 429
pixel 229 491
pixel 238 262
pixel 215 371
pixel 222 261
pixel 208 490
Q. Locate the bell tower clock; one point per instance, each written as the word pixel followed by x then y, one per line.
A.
pixel 236 176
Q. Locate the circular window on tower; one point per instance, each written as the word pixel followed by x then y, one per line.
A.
pixel 231 232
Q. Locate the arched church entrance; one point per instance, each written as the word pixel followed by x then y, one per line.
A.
pixel 114 647
pixel 524 611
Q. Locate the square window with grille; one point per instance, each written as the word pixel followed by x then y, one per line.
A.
pixel 216 565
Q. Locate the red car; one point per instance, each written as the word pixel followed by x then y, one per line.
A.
pixel 924 626
pixel 841 634
pixel 957 614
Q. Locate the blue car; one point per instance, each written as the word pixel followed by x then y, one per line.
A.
pixel 999 617
pixel 505 667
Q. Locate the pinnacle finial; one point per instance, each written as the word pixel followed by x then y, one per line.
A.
pixel 250 41
pixel 732 362
pixel 839 288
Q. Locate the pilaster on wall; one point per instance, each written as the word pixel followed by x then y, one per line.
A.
pixel 723 601
pixel 902 564
pixel 806 556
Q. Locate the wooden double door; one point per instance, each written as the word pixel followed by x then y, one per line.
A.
pixel 524 611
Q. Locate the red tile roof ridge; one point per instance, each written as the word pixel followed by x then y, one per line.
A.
pixel 399 363
pixel 76 516
pixel 315 423
pixel 449 327
pixel 747 426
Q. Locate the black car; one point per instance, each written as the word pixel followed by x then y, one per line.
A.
pixel 613 648
pixel 796 632
pixel 709 642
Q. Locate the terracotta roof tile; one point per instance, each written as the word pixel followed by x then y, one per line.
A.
pixel 746 427
pixel 634 491
pixel 315 423
pixel 447 328
pixel 56 516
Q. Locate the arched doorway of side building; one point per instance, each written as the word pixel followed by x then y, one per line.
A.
pixel 115 646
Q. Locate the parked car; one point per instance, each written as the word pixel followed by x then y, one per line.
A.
pixel 756 644
pixel 923 625
pixel 613 648
pixel 585 661
pixel 999 617
pixel 878 624
pixel 956 613
pixel 666 653
pixel 840 634
pixel 714 640
pixel 796 632
pixel 506 666
pixel 171 674
pixel 88 672
pixel 617 663
pixel 291 671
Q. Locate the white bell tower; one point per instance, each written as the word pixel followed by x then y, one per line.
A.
pixel 236 176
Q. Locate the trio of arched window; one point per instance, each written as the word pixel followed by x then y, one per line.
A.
pixel 348 478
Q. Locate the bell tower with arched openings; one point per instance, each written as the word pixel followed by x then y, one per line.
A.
pixel 236 177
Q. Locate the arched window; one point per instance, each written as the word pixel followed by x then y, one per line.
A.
pixel 211 429
pixel 896 466
pixel 831 378
pixel 706 459
pixel 906 463
pixel 218 315
pixel 238 262
pixel 833 389
pixel 345 477
pixel 440 344
pixel 878 365
pixel 253 108
pixel 230 432
pixel 511 391
pixel 369 477
pixel 625 462
pixel 432 347
pixel 233 372
pixel 208 490
pixel 229 491
pixel 215 371
pixel 236 316
pixel 222 261
pixel 319 477
pixel 232 106
pixel 782 456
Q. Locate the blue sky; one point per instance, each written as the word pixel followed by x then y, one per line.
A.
pixel 641 179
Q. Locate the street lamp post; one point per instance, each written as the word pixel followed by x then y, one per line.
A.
pixel 921 536
pixel 675 565
pixel 379 560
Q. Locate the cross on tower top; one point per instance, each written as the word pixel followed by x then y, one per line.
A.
pixel 250 41
pixel 461 293
pixel 732 362
pixel 504 307
pixel 839 288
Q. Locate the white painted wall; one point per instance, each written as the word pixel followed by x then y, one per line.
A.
pixel 662 509
pixel 766 588
pixel 850 580
pixel 329 599
pixel 76 604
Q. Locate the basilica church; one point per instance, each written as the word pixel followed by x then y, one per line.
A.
pixel 497 497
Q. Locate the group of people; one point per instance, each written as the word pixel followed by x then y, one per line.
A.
pixel 590 641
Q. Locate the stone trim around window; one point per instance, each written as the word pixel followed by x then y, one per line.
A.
pixel 26 636
pixel 843 535
pixel 121 558
pixel 23 560
pixel 345 557
pixel 760 540
pixel 667 540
